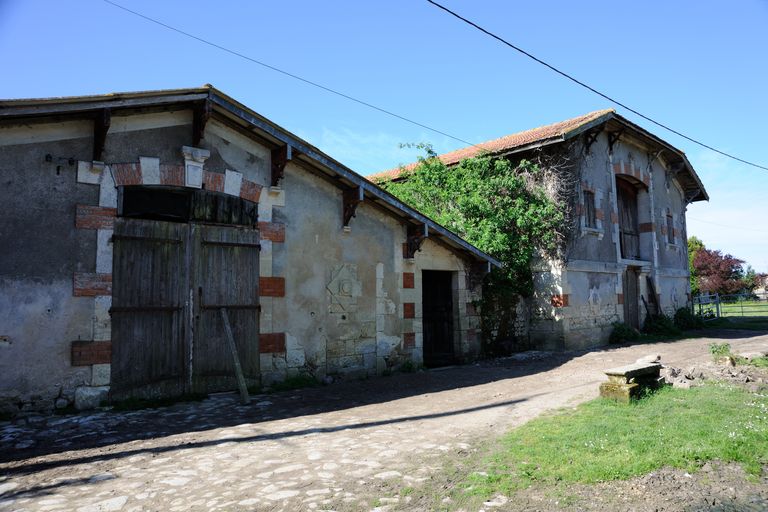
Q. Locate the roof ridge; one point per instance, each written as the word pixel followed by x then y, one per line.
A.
pixel 506 142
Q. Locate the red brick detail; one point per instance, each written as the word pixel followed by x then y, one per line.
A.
pixel 599 214
pixel 172 174
pixel 85 353
pixel 617 168
pixel 578 209
pixel 409 280
pixel 646 180
pixel 273 231
pixel 471 335
pixel 405 250
pixel 126 174
pixel 272 286
pixel 213 181
pixel 273 342
pixel 250 190
pixel 647 227
pixel 409 340
pixel 88 284
pixel 620 298
pixel 471 309
pixel 94 217
pixel 560 301
pixel 409 310
pixel 614 218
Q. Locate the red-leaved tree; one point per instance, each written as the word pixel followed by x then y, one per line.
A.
pixel 718 272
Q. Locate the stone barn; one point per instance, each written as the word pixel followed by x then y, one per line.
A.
pixel 138 228
pixel 626 256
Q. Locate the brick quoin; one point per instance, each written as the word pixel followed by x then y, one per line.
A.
pixel 560 301
pixel 471 309
pixel 409 340
pixel 87 284
pixel 94 217
pixel 647 227
pixel 272 343
pixel 85 353
pixel 126 174
pixel 272 286
pixel 409 310
pixel 471 335
pixel 599 215
pixel 273 231
pixel 214 181
pixel 172 174
pixel 409 279
pixel 620 298
pixel 250 190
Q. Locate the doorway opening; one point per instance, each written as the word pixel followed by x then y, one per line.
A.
pixel 437 304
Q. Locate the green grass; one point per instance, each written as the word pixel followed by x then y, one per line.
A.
pixel 744 323
pixel 746 308
pixel 602 440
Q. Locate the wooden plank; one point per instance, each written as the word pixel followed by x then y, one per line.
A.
pixel 244 398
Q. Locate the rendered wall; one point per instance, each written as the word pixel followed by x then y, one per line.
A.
pixel 333 301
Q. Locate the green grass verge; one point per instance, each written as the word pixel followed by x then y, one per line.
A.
pixel 744 323
pixel 747 308
pixel 602 440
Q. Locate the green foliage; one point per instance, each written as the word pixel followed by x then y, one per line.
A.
pixel 502 209
pixel 302 380
pixel 135 404
pixel 694 245
pixel 760 362
pixel 602 440
pixel 686 320
pixel 622 333
pixel 661 324
pixel 720 350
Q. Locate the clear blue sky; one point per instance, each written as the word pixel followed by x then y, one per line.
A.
pixel 698 66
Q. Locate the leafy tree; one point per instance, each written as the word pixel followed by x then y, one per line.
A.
pixel 694 245
pixel 717 272
pixel 504 210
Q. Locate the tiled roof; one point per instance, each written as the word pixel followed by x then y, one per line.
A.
pixel 556 131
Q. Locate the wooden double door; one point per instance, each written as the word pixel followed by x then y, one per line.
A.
pixel 171 281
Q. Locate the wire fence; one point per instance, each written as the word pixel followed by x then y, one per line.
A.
pixel 711 306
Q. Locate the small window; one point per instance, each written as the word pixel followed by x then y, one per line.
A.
pixel 670 230
pixel 590 219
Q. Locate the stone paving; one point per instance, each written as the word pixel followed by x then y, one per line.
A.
pixel 327 448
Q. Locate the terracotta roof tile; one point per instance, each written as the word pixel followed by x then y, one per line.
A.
pixel 503 144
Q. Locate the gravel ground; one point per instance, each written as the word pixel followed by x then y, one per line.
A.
pixel 338 447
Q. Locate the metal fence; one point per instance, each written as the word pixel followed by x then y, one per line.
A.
pixel 739 305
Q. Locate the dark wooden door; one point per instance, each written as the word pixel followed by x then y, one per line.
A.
pixel 149 327
pixel 226 263
pixel 437 306
pixel 631 298
pixel 628 224
pixel 170 282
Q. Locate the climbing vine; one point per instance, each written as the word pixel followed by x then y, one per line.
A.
pixel 510 210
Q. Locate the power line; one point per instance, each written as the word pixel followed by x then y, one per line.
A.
pixel 288 74
pixel 602 95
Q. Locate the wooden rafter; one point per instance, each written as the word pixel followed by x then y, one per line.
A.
pixel 280 158
pixel 100 128
pixel 201 114
pixel 416 235
pixel 352 198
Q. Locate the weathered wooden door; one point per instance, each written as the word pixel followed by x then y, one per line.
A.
pixel 226 268
pixel 170 282
pixel 631 298
pixel 437 305
pixel 149 315
pixel 628 224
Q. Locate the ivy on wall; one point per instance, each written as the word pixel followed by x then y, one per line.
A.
pixel 509 210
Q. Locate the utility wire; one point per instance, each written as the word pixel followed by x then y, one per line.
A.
pixel 602 95
pixel 288 74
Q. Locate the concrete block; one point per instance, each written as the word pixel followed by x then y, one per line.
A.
pixel 101 374
pixel 87 397
pixel 150 170
pixel 86 173
pixel 233 180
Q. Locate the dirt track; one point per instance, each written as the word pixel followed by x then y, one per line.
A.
pixel 319 448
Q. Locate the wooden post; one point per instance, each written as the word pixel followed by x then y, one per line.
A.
pixel 233 349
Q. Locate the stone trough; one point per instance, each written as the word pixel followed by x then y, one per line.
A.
pixel 627 382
